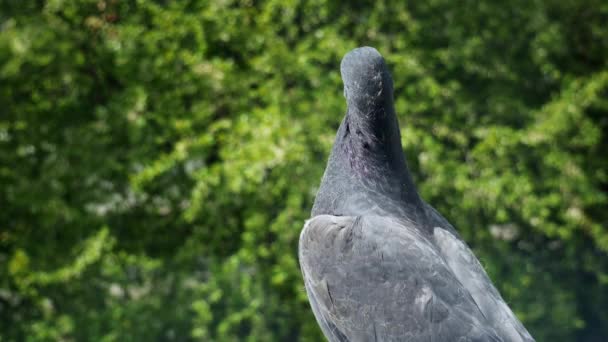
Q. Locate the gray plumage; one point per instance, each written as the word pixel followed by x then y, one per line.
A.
pixel 379 264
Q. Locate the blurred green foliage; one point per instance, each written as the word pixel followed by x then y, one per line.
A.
pixel 158 158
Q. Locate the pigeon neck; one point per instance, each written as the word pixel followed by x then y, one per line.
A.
pixel 367 168
pixel 370 142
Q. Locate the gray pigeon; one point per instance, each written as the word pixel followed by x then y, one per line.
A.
pixel 379 264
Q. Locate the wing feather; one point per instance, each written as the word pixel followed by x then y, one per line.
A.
pixel 470 273
pixel 468 270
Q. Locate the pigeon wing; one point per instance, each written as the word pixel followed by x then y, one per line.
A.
pixel 469 272
pixel 372 278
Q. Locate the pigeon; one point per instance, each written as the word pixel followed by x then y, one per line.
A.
pixel 379 263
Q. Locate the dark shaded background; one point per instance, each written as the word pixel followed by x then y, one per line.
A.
pixel 158 158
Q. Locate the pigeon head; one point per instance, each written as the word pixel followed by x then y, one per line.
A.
pixel 371 128
pixel 367 81
pixel 366 165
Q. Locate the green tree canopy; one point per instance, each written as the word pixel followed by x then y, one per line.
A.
pixel 158 158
